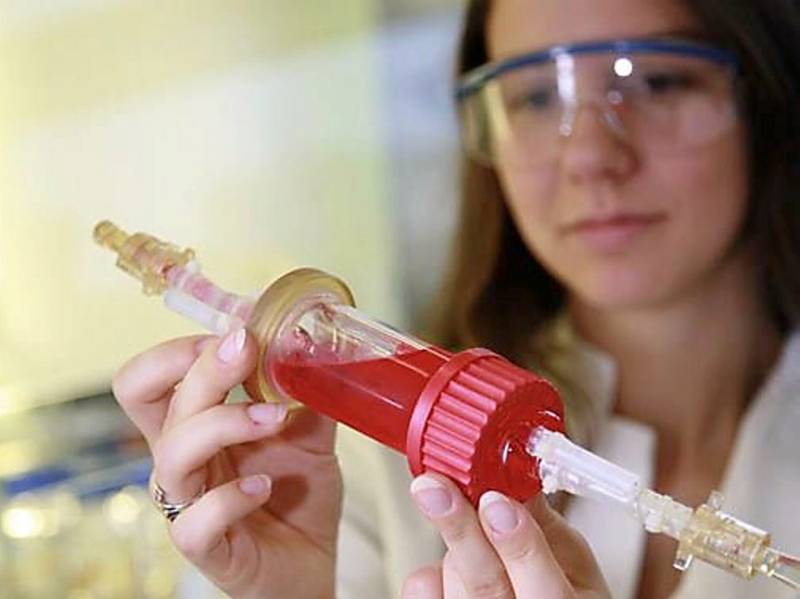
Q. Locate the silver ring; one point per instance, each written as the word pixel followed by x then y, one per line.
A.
pixel 168 509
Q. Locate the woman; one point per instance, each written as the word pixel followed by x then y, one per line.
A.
pixel 632 232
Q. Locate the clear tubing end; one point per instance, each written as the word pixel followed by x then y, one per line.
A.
pixel 705 533
pixel 565 466
pixel 200 313
pixel 782 567
pixel 164 268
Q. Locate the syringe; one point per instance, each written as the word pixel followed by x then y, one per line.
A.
pixel 705 533
pixel 467 415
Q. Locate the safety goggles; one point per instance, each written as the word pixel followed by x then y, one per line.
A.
pixel 663 96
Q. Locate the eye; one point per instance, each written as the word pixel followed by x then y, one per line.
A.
pixel 665 83
pixel 536 98
pixel 541 98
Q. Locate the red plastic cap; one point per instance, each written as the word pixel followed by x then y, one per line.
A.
pixel 473 419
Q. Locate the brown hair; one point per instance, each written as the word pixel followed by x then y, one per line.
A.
pixel 498 296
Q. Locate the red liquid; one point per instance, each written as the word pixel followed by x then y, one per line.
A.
pixel 375 397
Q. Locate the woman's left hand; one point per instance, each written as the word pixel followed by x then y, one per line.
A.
pixel 505 550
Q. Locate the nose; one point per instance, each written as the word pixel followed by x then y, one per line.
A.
pixel 595 147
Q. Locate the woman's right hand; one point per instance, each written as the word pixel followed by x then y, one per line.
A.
pixel 266 526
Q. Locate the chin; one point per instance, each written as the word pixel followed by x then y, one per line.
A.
pixel 619 291
pixel 614 301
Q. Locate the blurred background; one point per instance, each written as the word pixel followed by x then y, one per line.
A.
pixel 266 135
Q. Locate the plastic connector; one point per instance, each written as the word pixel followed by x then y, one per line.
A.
pixel 164 268
pixel 726 542
pixel 661 513
pixel 142 256
pixel 705 533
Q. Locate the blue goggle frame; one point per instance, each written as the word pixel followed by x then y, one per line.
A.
pixel 472 81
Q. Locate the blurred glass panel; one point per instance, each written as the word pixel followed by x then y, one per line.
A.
pixel 266 135
pixel 422 143
pixel 251 132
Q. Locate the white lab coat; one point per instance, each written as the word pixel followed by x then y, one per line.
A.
pixel 383 538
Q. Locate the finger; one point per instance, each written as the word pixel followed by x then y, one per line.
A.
pixel 451 581
pixel 144 384
pixel 223 364
pixel 477 564
pixel 425 583
pixel 569 547
pixel 182 452
pixel 200 532
pixel 523 548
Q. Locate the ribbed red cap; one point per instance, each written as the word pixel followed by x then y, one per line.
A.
pixel 472 421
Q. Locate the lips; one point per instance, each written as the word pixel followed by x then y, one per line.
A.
pixel 614 232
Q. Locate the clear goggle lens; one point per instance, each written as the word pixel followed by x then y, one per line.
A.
pixel 664 102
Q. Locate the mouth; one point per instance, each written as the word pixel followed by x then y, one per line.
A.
pixel 613 232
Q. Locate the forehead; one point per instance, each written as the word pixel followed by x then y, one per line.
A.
pixel 518 26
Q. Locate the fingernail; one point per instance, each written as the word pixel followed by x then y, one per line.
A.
pixel 499 513
pixel 266 413
pixel 434 499
pixel 232 346
pixel 255 485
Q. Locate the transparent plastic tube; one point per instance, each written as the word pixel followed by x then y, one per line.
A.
pixel 466 415
pixel 473 416
pixel 706 533
pixel 163 268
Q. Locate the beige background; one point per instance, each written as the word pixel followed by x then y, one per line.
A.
pixel 251 131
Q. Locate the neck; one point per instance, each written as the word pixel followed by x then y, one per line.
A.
pixel 687 368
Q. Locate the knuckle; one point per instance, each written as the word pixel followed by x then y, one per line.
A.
pixel 191 541
pixel 568 536
pixel 493 585
pixel 204 382
pixel 529 544
pixel 488 582
pixel 215 509
pixel 166 459
pixel 119 386
pixel 197 542
pixel 455 530
pixel 524 552
pixel 422 583
pixel 580 541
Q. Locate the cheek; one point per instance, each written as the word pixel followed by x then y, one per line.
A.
pixel 709 200
pixel 531 199
pixel 705 196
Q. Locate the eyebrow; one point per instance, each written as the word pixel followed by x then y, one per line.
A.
pixel 691 34
pixel 686 33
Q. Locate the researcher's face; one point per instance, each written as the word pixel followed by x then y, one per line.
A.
pixel 620 226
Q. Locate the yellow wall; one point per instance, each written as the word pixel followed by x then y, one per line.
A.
pixel 249 130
